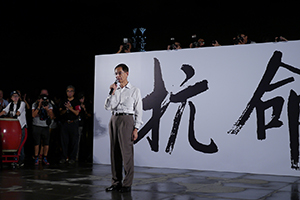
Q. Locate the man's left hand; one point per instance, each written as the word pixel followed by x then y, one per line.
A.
pixel 135 134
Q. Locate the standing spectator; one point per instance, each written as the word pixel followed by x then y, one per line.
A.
pixel 16 109
pixel 83 116
pixel 42 113
pixel 3 102
pixel 69 112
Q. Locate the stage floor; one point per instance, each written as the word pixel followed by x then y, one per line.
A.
pixel 88 181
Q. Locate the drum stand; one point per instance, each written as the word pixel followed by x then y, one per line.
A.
pixel 12 156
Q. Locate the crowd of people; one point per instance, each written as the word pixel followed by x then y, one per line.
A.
pixel 57 127
pixel 239 39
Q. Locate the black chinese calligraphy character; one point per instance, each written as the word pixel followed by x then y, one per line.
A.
pixel 155 101
pixel 276 103
pixel 181 97
pixel 256 102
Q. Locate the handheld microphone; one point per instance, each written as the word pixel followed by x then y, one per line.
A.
pixel 112 89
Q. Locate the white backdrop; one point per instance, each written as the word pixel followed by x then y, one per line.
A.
pixel 233 74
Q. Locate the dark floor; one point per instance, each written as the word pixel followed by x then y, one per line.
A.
pixel 88 181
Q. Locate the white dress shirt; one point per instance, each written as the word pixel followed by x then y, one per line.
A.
pixel 22 110
pixel 126 100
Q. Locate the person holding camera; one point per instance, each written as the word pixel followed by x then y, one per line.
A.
pixel 125 47
pixel 242 39
pixel 197 44
pixel 174 45
pixel 42 113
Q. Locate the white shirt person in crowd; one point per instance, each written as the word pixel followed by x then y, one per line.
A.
pixel 16 109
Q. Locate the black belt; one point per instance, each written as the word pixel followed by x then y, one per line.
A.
pixel 120 114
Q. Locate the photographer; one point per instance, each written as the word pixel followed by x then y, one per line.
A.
pixel 174 45
pixel 42 113
pixel 242 39
pixel 125 47
pixel 197 43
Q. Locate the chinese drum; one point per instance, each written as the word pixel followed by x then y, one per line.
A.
pixel 11 133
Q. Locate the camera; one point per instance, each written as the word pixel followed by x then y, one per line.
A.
pixel 195 43
pixel 173 45
pixel 42 112
pixel 238 40
pixel 45 100
pixel 125 45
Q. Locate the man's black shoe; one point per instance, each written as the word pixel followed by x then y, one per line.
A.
pixel 125 189
pixel 113 188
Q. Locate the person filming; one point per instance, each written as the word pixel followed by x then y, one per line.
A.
pixel 42 113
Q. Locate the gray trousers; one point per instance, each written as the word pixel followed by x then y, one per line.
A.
pixel 121 149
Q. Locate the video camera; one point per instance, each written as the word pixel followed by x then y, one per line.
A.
pixel 238 40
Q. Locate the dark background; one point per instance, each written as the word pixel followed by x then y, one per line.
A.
pixel 51 44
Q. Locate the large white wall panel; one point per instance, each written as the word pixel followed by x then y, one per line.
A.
pixel 224 82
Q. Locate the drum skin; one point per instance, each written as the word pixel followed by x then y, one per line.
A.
pixel 11 133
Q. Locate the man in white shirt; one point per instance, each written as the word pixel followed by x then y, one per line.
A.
pixel 125 102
